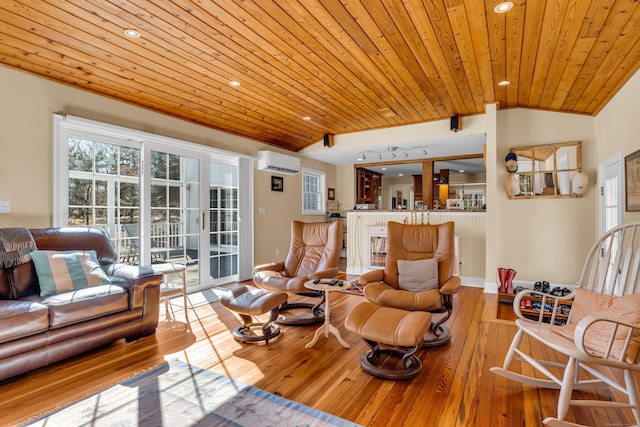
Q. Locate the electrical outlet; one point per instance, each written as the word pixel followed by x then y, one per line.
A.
pixel 5 206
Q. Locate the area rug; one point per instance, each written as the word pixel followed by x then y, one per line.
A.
pixel 177 394
pixel 355 289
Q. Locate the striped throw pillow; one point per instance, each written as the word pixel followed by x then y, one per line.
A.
pixel 66 271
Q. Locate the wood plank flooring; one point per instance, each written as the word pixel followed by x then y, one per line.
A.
pixel 455 387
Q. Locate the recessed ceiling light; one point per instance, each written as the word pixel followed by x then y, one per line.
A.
pixel 461 171
pixel 307 118
pixel 504 83
pixel 384 169
pixel 503 7
pixel 234 83
pixel 400 174
pixel 130 32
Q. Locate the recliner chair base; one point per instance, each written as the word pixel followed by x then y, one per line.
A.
pixel 442 338
pixel 248 302
pixel 313 316
pixel 412 365
pixel 256 332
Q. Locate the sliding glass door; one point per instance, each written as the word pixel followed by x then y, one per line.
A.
pixel 152 199
pixel 223 220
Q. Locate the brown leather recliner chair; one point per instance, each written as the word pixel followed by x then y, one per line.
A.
pixel 314 254
pixel 408 242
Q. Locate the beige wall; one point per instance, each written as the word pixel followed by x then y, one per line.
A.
pixel 26 108
pixel 544 239
pixel 618 128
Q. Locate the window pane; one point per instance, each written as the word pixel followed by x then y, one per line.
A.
pixel 158 215
pixel 174 197
pixel 158 165
pixel 80 216
pixel 174 167
pixel 158 196
pixel 129 194
pixel 101 193
pixel 129 161
pixel 80 192
pixel 80 155
pixel 106 158
pixel 128 216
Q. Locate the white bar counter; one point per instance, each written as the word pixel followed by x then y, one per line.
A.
pixel 365 227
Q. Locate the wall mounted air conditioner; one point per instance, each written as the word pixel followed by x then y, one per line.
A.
pixel 278 163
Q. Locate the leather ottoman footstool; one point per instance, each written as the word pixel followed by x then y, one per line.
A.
pixel 249 302
pixel 395 328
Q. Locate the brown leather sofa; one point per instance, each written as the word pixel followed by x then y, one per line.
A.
pixel 37 331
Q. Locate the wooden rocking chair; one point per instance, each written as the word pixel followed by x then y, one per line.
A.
pixel 602 334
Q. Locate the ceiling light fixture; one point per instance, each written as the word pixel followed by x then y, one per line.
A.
pixel 307 118
pixel 130 32
pixel 503 7
pixel 393 155
pixel 379 156
pixel 424 152
pixel 504 83
pixel 406 155
pixel 234 83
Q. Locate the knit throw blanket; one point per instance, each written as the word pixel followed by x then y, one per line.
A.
pixel 15 245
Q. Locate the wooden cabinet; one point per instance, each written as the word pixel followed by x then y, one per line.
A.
pixel 368 187
pixel 417 188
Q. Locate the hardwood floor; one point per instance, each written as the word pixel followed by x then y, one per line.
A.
pixel 455 387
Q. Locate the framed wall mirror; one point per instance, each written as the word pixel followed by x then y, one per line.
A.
pixel 547 170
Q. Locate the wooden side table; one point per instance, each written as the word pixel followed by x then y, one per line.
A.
pixel 168 289
pixel 327 327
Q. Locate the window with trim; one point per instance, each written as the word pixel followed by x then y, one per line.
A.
pixel 313 192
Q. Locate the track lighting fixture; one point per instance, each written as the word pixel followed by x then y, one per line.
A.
pixel 405 155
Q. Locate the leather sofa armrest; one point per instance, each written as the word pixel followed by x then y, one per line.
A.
pixel 451 286
pixel 371 276
pixel 272 266
pixel 134 278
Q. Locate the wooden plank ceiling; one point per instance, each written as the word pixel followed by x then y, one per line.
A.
pixel 310 67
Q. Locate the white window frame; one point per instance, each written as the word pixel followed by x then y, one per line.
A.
pixel 322 185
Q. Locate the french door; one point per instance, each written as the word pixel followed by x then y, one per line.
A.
pixel 159 202
pixel 611 202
